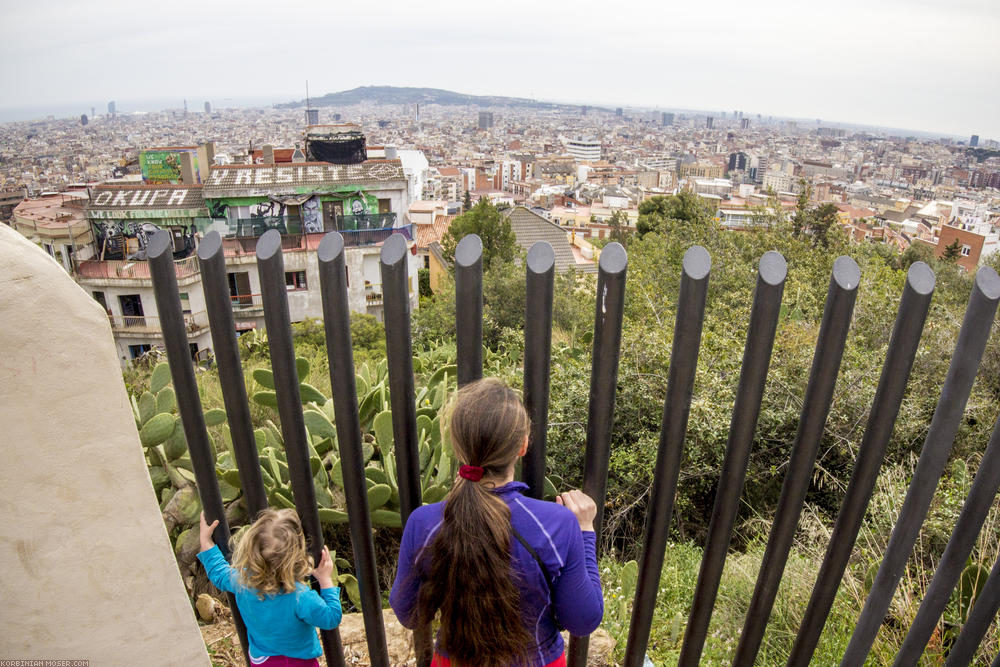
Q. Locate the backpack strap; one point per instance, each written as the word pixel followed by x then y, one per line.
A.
pixel 545 572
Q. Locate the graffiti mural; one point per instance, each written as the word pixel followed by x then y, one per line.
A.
pixel 311 221
pixel 217 209
pixel 123 239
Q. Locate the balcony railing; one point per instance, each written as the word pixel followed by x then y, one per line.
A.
pixel 150 324
pixel 237 246
pixel 372 236
pixel 131 269
pixel 247 305
pixel 247 245
pixel 256 226
pixel 373 294
pixel 372 221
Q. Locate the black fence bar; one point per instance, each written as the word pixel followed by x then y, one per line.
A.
pixel 963 539
pixel 168 304
pixel 539 288
pixel 979 621
pixel 900 354
pixel 218 303
pixel 969 349
pixel 337 323
pixel 469 308
pixel 771 274
pixel 399 354
pixel 393 264
pixel 603 385
pixel 815 408
pixel 676 406
pixel 271 269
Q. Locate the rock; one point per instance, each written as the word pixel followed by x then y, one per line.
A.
pixel 207 606
pixel 602 645
pixel 398 639
pixel 186 548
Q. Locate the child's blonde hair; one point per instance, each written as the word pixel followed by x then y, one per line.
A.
pixel 271 556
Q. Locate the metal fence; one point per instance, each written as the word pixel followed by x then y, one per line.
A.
pixel 696 269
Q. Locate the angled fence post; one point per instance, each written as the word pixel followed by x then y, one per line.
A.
pixel 603 385
pixel 337 324
pixel 469 308
pixel 168 305
pixel 771 273
pixel 271 268
pixel 963 539
pixel 539 286
pixel 676 406
pixel 219 305
pixel 815 407
pixel 979 621
pixel 393 263
pixel 969 350
pixel 902 350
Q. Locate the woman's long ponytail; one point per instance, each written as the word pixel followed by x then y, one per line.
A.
pixel 468 568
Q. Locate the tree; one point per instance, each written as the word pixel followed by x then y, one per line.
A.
pixel 952 252
pixel 686 207
pixel 467 202
pixel 821 219
pixel 619 227
pixel 499 243
pixel 800 221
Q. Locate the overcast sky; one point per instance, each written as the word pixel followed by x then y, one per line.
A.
pixel 913 64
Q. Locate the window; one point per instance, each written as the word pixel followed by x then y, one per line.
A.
pixel 185 303
pixel 295 280
pixel 966 250
pixel 99 298
pixel 136 351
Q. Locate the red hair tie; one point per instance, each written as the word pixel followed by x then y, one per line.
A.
pixel 471 473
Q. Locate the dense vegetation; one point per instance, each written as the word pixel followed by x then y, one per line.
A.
pixel 667 228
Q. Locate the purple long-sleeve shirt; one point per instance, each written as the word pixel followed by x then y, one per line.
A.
pixel 569 555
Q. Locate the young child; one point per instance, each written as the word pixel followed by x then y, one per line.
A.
pixel 280 611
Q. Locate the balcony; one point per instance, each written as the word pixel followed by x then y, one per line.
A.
pixel 240 246
pixel 373 294
pixel 370 221
pixel 247 245
pixel 119 269
pixel 256 226
pixel 149 325
pixel 247 305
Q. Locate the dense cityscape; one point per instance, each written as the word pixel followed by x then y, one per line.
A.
pixel 90 190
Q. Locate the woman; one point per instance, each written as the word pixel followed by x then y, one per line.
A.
pixel 503 570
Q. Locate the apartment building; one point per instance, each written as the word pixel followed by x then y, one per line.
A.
pixel 100 238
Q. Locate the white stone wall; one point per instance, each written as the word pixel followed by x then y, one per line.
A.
pixel 88 570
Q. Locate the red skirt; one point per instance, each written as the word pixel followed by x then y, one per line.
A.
pixel 441 661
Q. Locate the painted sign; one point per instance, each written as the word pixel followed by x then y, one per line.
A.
pixel 164 166
pixel 254 175
pixel 148 198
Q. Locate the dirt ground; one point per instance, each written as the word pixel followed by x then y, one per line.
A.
pixel 223 644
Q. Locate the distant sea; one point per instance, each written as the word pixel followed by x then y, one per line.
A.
pixel 123 106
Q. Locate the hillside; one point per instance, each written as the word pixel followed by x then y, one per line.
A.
pixel 400 95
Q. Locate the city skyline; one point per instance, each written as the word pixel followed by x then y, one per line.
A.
pixel 898 65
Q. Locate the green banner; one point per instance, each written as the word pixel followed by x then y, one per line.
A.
pixel 164 166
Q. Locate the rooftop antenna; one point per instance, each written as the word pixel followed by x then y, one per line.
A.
pixel 307 95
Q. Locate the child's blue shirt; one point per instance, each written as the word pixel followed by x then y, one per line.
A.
pixel 281 624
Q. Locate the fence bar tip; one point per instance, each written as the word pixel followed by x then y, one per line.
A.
pixel 331 246
pixel 541 257
pixel 393 250
pixel 469 250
